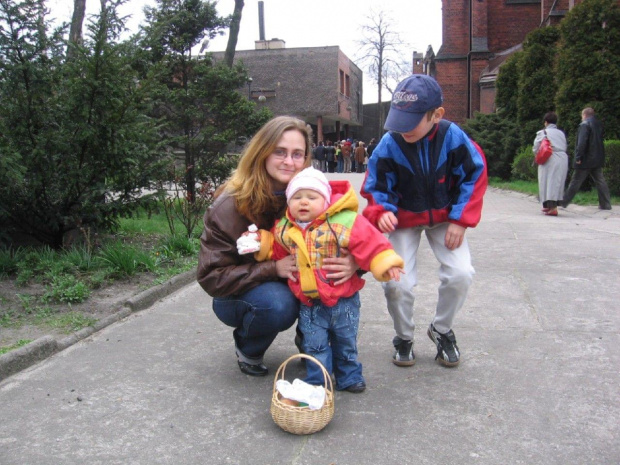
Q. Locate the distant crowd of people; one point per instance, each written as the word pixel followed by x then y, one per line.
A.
pixel 346 156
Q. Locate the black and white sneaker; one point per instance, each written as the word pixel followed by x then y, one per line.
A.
pixel 403 355
pixel 447 351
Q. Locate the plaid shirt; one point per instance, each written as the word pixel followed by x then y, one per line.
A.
pixel 337 228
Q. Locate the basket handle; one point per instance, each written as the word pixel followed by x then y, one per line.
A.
pixel 281 370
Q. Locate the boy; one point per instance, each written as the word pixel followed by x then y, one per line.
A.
pixel 320 221
pixel 425 175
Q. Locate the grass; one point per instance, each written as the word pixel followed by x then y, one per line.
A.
pixel 68 277
pixel 17 345
pixel 531 188
pixel 146 223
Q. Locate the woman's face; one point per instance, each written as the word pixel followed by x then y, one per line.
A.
pixel 287 158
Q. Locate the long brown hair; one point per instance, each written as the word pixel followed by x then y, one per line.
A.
pixel 250 183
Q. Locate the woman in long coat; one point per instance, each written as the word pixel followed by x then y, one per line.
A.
pixel 552 175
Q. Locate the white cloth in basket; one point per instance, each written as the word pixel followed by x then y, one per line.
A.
pixel 301 391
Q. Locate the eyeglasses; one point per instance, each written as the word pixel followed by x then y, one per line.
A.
pixel 281 154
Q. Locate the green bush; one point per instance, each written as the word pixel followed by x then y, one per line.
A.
pixel 178 245
pixel 612 166
pixel 80 257
pixel 536 78
pixel 67 289
pixel 499 139
pixel 9 261
pixel 126 260
pixel 587 68
pixel 523 166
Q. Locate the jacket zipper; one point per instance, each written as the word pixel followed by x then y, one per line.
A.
pixel 426 163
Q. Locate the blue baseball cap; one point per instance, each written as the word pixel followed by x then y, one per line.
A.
pixel 411 100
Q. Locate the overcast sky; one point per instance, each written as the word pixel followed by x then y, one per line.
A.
pixel 311 23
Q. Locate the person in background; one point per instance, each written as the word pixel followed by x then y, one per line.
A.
pixel 589 160
pixel 339 160
pixel 321 220
pixel 353 147
pixel 425 176
pixel 552 175
pixel 249 296
pixel 371 146
pixel 330 156
pixel 360 155
pixel 346 156
pixel 319 156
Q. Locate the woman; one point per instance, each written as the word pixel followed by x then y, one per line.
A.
pixel 249 296
pixel 330 155
pixel 360 155
pixel 339 160
pixel 552 175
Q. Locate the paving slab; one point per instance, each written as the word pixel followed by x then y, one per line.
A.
pixel 539 381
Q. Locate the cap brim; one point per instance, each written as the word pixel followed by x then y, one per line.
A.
pixel 402 121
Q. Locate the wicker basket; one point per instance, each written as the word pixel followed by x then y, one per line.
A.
pixel 302 420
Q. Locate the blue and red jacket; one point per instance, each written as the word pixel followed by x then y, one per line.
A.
pixel 441 178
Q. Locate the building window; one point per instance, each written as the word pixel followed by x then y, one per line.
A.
pixel 347 86
pixel 341 81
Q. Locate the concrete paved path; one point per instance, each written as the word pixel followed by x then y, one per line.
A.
pixel 539 381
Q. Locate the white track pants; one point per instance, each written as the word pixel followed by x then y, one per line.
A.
pixel 455 274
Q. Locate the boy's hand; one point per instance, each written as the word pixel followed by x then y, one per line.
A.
pixel 387 223
pixel 395 272
pixel 454 236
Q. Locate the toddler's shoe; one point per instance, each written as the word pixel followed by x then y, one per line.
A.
pixel 447 351
pixel 356 388
pixel 403 355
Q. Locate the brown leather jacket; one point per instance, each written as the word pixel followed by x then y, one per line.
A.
pixel 221 270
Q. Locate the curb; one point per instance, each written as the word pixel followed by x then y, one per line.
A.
pixel 46 346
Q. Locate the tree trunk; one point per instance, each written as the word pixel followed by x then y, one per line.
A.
pixel 379 89
pixel 234 33
pixel 75 34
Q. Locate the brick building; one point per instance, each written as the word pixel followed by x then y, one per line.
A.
pixel 477 37
pixel 319 85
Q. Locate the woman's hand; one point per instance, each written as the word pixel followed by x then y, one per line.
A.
pixel 341 268
pixel 285 267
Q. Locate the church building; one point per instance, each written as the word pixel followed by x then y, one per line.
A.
pixel 477 37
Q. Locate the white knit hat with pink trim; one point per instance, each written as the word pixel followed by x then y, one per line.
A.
pixel 310 178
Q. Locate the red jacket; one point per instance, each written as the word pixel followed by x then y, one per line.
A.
pixel 337 228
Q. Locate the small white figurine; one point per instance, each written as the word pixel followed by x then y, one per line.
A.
pixel 249 243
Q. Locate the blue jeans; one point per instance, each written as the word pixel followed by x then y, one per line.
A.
pixel 330 335
pixel 258 315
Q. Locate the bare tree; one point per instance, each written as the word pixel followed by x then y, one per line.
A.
pixel 234 33
pixel 75 33
pixel 381 53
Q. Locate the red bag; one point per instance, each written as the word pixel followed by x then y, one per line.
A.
pixel 544 151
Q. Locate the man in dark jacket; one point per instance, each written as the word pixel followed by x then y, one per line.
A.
pixel 589 160
pixel 319 155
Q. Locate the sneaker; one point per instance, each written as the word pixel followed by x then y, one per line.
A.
pixel 403 355
pixel 447 351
